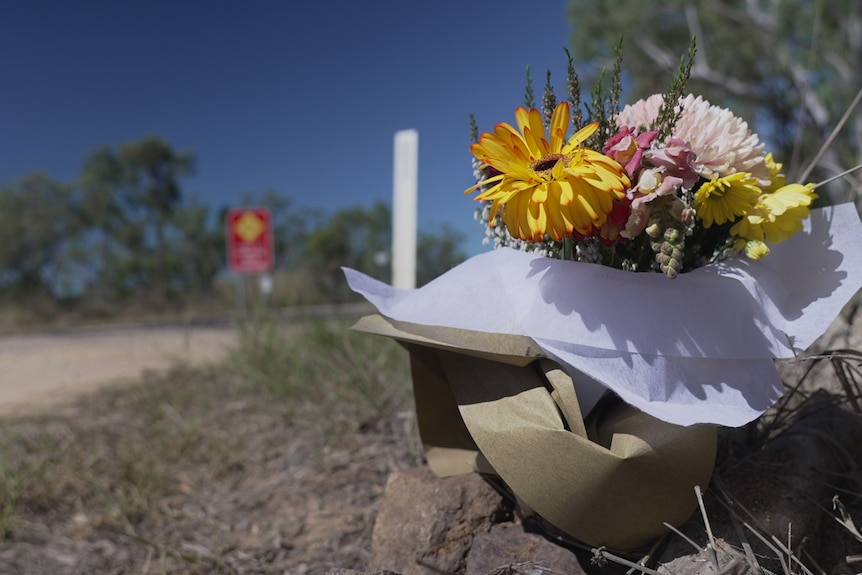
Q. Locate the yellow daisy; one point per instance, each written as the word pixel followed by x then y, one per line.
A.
pixel 548 185
pixel 754 249
pixel 725 199
pixel 776 216
pixel 776 178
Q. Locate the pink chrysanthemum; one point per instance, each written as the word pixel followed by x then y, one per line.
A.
pixel 641 114
pixel 723 142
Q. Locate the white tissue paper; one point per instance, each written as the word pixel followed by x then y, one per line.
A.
pixel 695 349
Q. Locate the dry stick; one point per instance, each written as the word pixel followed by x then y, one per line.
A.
pixel 682 535
pixel 732 566
pixel 611 557
pixel 791 556
pixel 746 546
pixel 835 177
pixel 768 544
pixel 832 136
pixel 814 563
pixel 145 568
pixel 710 548
pixel 645 559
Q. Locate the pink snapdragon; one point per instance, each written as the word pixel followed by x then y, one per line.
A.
pixel 677 159
pixel 653 183
pixel 628 148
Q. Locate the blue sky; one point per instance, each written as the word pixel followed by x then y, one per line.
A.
pixel 299 97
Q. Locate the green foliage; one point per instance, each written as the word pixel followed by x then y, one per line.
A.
pixel 573 87
pixel 549 100
pixel 125 233
pixel 130 198
pixel 358 238
pixel 789 68
pixel 327 365
pixel 196 252
pixel 39 228
pixel 292 226
pixel 529 97
pixel 669 113
pixel 437 253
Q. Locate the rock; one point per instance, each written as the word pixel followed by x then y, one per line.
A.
pixel 339 571
pixel 426 524
pixel 700 562
pixel 507 548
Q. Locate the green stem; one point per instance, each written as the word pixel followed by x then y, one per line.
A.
pixel 568 249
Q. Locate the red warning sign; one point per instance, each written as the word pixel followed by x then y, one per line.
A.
pixel 249 240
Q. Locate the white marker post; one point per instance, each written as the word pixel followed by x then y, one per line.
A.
pixel 404 209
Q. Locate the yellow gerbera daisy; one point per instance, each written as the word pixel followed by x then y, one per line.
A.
pixel 725 199
pixel 776 216
pixel 548 185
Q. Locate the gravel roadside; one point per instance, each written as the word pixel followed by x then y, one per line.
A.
pixel 38 371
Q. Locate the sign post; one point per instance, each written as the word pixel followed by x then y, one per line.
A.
pixel 249 242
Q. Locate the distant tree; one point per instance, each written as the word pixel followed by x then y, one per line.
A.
pixel 129 199
pixel 292 225
pixel 790 68
pixel 196 248
pixel 437 253
pixel 353 237
pixel 39 227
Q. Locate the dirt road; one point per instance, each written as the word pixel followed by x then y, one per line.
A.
pixel 37 371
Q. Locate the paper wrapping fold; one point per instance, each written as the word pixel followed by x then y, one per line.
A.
pixel 495 403
pixel 696 349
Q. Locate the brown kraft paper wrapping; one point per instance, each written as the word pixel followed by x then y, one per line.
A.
pixel 492 403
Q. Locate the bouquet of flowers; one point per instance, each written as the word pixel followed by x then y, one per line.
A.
pixel 591 391
pixel 667 184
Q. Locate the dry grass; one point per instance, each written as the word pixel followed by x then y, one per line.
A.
pixel 271 463
pixel 275 462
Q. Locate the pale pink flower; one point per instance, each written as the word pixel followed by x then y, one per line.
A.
pixel 627 148
pixel 677 159
pixel 722 142
pixel 653 183
pixel 641 114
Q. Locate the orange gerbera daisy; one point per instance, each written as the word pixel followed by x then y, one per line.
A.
pixel 547 185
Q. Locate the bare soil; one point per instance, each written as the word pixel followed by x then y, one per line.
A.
pixel 38 370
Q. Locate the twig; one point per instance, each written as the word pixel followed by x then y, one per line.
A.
pixel 832 136
pixel 835 177
pixel 682 535
pixel 811 561
pixel 791 556
pixel 601 552
pixel 734 518
pixel 845 520
pixel 710 548
pixel 645 559
pixel 733 567
pixel 766 542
